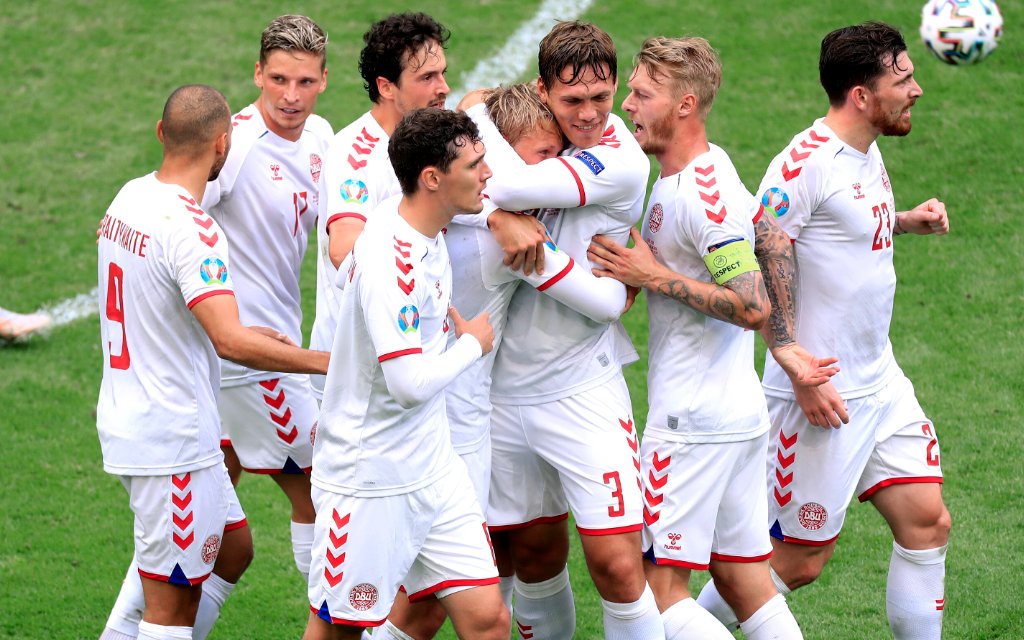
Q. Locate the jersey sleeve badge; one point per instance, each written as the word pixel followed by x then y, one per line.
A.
pixel 587 158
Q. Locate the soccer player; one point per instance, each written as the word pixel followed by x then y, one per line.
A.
pixel 562 427
pixel 481 282
pixel 163 262
pixel 395 504
pixel 863 433
pixel 265 200
pixel 18 326
pixel 706 435
pixel 403 68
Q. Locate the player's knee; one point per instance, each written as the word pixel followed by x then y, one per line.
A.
pixel 941 527
pixel 803 572
pixel 619 577
pixel 496 626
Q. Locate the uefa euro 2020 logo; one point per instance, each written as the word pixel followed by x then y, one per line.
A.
pixel 776 201
pixel 354 191
pixel 213 270
pixel 408 319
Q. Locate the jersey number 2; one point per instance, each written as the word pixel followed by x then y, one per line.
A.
pixel 115 313
pixel 883 236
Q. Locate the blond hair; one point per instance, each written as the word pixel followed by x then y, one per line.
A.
pixel 516 110
pixel 294 33
pixel 690 64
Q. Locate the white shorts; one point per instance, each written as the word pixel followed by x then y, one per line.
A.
pixel 704 502
pixel 813 473
pixel 270 423
pixel 434 541
pixel 580 452
pixel 478 463
pixel 180 522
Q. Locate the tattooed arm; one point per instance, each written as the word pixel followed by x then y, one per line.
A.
pixel 777 259
pixel 742 300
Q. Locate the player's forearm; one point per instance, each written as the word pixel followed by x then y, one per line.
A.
pixel 250 349
pixel 776 256
pixel 600 299
pixel 416 378
pixel 744 303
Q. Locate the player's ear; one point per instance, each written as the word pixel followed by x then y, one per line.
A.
pixel 430 178
pixel 323 82
pixel 160 131
pixel 859 96
pixel 385 88
pixel 257 76
pixel 221 143
pixel 542 91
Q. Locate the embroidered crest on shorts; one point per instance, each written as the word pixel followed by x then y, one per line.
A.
pixel 363 596
pixel 812 516
pixel 210 549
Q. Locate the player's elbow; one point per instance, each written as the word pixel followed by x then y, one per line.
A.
pixel 229 346
pixel 755 318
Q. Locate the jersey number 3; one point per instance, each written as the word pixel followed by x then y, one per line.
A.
pixel 115 313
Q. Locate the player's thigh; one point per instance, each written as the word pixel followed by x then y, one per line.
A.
pixel 741 532
pixel 813 472
pixel 591 440
pixel 362 550
pixel 271 423
pixel 478 464
pixel 524 488
pixel 478 612
pixel 179 523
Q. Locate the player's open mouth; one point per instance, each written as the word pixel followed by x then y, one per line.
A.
pixel 291 112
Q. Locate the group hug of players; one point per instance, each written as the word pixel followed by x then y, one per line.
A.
pixel 472 267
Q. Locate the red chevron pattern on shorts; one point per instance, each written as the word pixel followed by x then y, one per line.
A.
pixel 653 495
pixel 785 456
pixel 182 531
pixel 274 404
pixel 334 556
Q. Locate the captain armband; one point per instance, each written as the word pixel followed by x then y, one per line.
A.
pixel 730 260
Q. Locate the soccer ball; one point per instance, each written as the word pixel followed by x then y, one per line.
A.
pixel 961 31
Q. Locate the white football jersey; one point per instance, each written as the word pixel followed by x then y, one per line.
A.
pixel 266 199
pixel 701 382
pixel 395 304
pixel 481 282
pixel 159 255
pixel 837 205
pixel 551 351
pixel 357 177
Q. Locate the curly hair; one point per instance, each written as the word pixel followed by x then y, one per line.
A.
pixel 858 55
pixel 428 138
pixel 391 42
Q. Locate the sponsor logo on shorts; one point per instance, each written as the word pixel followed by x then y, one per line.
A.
pixel 210 549
pixel 354 191
pixel 595 165
pixel 409 318
pixel 812 516
pixel 603 359
pixel 655 219
pixel 775 200
pixel 363 596
pixel 673 422
pixel 673 542
pixel 213 270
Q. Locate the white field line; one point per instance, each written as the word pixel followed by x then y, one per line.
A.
pixel 506 65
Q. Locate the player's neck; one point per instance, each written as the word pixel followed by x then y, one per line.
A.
pixel 187 173
pixel 386 115
pixel 851 127
pixel 687 143
pixel 424 214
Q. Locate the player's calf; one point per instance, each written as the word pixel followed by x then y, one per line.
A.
pixel 798 565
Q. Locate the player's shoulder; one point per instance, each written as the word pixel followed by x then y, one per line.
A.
pixel 618 147
pixel 811 150
pixel 358 144
pixel 247 124
pixel 319 127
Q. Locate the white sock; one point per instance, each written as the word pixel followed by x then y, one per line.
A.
pixel 389 631
pixel 773 621
pixel 780 584
pixel 150 631
pixel 628 620
pixel 710 600
pixel 127 610
pixel 914 595
pixel 215 591
pixel 545 609
pixel 686 620
pixel 507 586
pixel 302 546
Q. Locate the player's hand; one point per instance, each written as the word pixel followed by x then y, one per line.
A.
pixel 522 239
pixel 822 405
pixel 803 367
pixel 273 334
pixel 471 99
pixel 926 218
pixel 631 294
pixel 479 327
pixel 633 266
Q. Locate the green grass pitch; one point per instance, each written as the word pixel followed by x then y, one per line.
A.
pixel 83 85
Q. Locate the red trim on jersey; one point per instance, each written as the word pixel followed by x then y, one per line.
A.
pixel 209 294
pixel 231 526
pixel 809 543
pixel 558 276
pixel 609 532
pixel 226 442
pixel 344 214
pixel 399 354
pixel 662 562
pixel 579 183
pixel 161 578
pixel 448 584
pixel 760 212
pixel 721 557
pixel 523 525
pixel 274 472
pixel 864 497
pixel 350 623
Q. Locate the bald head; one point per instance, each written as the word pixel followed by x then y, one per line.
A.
pixel 194 116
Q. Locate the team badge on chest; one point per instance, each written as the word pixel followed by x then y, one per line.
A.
pixel 656 218
pixel 315 165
